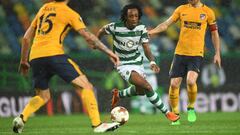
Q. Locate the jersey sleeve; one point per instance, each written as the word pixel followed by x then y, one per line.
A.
pixel 76 21
pixel 144 36
pixel 34 22
pixel 109 28
pixel 176 14
pixel 211 17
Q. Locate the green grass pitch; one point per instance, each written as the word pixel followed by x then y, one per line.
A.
pixel 206 124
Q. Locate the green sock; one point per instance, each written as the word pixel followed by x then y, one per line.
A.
pixel 128 92
pixel 154 98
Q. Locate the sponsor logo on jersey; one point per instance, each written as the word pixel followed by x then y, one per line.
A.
pixel 192 25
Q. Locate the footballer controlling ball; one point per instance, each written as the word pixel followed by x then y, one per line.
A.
pixel 119 114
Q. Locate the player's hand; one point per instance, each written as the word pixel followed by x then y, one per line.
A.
pixel 155 67
pixel 151 33
pixel 217 60
pixel 115 59
pixel 24 68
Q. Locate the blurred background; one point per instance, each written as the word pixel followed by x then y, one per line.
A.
pixel 218 88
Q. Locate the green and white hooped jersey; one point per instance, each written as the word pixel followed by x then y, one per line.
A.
pixel 126 42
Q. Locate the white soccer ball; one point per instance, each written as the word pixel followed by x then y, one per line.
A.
pixel 119 114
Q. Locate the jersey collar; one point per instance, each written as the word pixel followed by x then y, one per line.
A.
pixel 202 5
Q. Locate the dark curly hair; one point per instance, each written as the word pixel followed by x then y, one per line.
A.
pixel 125 10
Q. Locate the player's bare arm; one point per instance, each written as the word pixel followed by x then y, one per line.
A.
pixel 161 27
pixel 26 41
pixel 99 35
pixel 148 54
pixel 101 32
pixel 216 44
pixel 95 42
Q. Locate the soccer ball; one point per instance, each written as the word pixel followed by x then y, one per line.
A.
pixel 119 114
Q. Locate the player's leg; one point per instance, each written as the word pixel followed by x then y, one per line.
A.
pixel 69 71
pixel 125 72
pixel 137 80
pixel 41 98
pixel 144 106
pixel 177 71
pixel 79 93
pixel 174 94
pixel 152 79
pixel 82 84
pixel 128 92
pixel 192 95
pixel 131 91
pixel 41 77
pixel 152 96
pixel 192 88
pixel 194 64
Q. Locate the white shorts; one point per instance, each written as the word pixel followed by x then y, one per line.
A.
pixel 126 70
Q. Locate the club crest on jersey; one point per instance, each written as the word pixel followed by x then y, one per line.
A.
pixel 202 16
pixel 130 44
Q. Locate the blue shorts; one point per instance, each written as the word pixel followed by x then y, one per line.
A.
pixel 181 64
pixel 46 67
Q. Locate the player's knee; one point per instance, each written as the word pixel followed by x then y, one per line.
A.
pixel 148 87
pixel 45 96
pixel 191 82
pixel 174 85
pixel 88 86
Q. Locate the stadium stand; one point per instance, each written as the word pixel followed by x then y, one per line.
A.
pixel 16 15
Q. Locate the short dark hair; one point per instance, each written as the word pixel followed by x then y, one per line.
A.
pixel 59 0
pixel 125 10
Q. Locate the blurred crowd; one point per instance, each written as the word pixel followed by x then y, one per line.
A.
pixel 16 16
